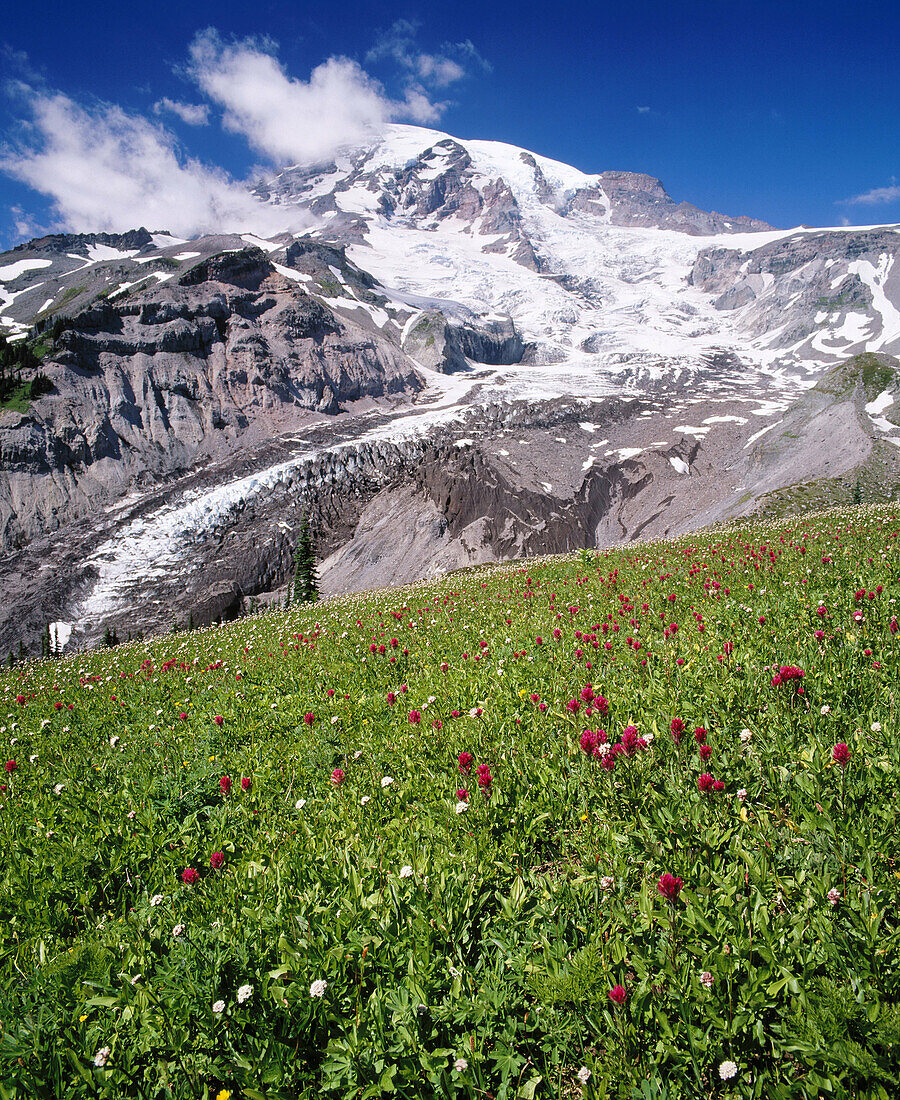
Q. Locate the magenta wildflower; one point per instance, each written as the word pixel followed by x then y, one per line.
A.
pixel 669 886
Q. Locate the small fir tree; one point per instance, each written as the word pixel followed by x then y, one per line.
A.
pixel 306 581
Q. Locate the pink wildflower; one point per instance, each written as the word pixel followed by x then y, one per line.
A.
pixel 669 886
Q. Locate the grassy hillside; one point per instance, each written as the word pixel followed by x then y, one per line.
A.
pixel 620 825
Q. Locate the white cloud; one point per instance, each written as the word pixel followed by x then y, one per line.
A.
pixel 23 223
pixel 417 106
pixel 291 120
pixel 106 170
pixel 876 196
pixel 440 69
pixel 194 114
pixel 643 110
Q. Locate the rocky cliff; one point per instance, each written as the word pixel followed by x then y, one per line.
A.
pixel 148 388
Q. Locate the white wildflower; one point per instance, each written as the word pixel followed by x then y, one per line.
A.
pixel 461 807
pixel 178 929
pixel 746 734
pixel 156 899
pixel 114 740
pixel 727 1070
pixel 244 994
pixel 584 1075
pixel 102 1056
pixel 825 710
pixel 387 780
pixel 365 798
pixel 606 883
pixel 218 1007
pixel 833 895
pixel 460 1065
pixel 875 728
pixel 58 789
pixel 406 871
pixel 300 803
pixel 318 987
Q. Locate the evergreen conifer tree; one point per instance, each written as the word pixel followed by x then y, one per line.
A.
pixel 306 581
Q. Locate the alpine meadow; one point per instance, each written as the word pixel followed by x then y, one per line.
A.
pixel 449 551
pixel 619 824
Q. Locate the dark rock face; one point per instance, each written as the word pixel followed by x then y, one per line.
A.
pixel 70 242
pixel 246 269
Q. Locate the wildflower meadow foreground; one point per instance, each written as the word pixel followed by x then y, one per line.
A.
pixel 615 825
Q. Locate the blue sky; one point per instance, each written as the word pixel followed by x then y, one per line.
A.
pixel 783 111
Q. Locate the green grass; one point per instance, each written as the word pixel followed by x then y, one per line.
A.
pixel 70 295
pixel 877 480
pixel 875 372
pixel 17 400
pixel 470 952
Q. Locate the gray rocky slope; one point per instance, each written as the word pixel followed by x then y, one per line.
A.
pixel 470 353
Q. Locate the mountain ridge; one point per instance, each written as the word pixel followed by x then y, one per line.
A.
pixel 586 358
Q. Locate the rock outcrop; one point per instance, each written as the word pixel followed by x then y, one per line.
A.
pixel 147 389
pixel 632 198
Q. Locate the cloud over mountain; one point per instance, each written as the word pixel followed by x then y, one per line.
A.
pixel 107 170
pixel 285 119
